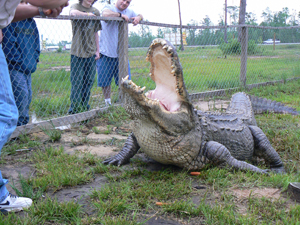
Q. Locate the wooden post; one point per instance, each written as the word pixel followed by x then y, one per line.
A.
pixel 244 47
pixel 242 15
pixel 225 31
pixel 181 37
pixel 122 54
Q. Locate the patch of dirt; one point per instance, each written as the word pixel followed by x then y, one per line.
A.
pixel 260 57
pixel 66 68
pixel 274 193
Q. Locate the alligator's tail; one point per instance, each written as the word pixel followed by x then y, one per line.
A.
pixel 241 105
pixel 263 105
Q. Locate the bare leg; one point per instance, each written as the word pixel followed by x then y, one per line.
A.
pixel 264 149
pixel 218 154
pixel 106 91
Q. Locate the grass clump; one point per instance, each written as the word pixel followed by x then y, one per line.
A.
pixel 56 169
pixel 233 47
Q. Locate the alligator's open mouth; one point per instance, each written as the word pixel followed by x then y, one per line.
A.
pixel 166 72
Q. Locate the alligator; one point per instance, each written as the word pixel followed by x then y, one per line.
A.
pixel 167 128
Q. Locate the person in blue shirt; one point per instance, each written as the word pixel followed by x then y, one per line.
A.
pixel 108 64
pixel 21 47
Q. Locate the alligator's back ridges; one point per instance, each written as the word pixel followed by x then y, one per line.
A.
pixel 263 105
pixel 241 106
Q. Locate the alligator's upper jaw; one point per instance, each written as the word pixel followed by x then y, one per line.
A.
pixel 166 72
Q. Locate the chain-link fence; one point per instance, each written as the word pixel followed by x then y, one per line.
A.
pixel 213 60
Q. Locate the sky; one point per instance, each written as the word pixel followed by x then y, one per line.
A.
pixel 166 11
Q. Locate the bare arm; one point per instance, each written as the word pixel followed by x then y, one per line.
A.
pixel 25 11
pixel 75 12
pixel 49 4
pixel 136 20
pixel 109 13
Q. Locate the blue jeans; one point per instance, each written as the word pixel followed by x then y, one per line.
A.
pixel 83 71
pixel 107 69
pixel 21 85
pixel 8 114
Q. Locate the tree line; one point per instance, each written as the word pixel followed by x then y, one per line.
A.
pixel 283 18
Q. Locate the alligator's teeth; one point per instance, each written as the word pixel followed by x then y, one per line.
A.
pixel 170 49
pixel 130 82
pixel 172 66
pixel 155 41
pixel 143 88
pixel 150 74
pixel 147 58
pixel 163 42
pixel 165 46
pixel 126 78
pixel 172 71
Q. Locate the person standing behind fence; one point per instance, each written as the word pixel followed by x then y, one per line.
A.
pixel 108 64
pixel 84 53
pixel 11 10
pixel 21 47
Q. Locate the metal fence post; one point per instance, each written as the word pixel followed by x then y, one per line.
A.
pixel 123 54
pixel 244 47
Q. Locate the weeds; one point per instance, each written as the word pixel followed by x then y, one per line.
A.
pixel 53 133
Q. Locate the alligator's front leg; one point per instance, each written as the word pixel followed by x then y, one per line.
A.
pixel 264 149
pixel 218 154
pixel 130 148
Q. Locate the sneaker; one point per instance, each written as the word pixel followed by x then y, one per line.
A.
pixel 107 104
pixel 13 203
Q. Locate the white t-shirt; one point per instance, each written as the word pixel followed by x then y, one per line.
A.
pixel 7 11
pixel 109 33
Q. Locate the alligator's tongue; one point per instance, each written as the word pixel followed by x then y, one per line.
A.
pixel 167 99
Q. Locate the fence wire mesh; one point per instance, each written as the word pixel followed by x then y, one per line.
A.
pixel 212 59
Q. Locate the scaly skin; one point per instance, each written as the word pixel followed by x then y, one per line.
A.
pixel 169 130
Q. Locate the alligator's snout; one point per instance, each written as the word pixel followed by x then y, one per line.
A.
pixel 129 86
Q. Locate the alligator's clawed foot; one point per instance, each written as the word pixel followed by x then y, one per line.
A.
pixel 266 172
pixel 115 160
pixel 279 170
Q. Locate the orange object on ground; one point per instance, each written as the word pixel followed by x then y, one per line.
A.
pixel 195 173
pixel 161 203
